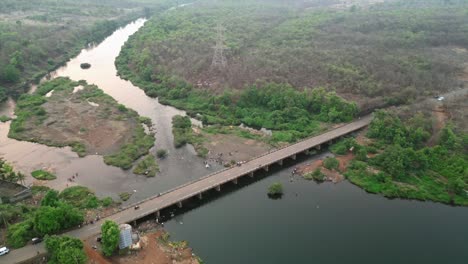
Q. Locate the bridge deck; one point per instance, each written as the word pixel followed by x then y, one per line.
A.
pixel 209 182
pixel 191 189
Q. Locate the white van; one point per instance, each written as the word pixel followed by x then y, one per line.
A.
pixel 3 251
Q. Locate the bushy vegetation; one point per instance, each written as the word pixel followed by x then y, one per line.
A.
pixel 80 197
pixel 147 166
pixel 7 173
pixel 139 146
pixel 125 196
pixel 43 175
pixel 407 168
pixel 4 118
pixel 65 249
pixel 56 213
pixel 331 163
pixel 275 190
pixel 316 175
pixel 182 130
pixel 161 153
pixel 183 134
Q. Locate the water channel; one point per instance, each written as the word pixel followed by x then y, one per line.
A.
pixel 180 166
pixel 312 223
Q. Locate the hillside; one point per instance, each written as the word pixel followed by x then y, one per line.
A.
pixel 375 55
pixel 38 36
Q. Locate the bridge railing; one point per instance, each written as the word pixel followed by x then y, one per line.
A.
pixel 229 168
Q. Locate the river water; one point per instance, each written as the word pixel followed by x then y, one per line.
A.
pixel 180 166
pixel 312 223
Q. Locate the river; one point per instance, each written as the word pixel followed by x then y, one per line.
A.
pixel 312 223
pixel 321 223
pixel 182 165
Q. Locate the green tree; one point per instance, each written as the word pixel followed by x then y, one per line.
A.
pixel 11 74
pixel 448 139
pixel 65 250
pixel 110 237
pixel 47 220
pixel 19 234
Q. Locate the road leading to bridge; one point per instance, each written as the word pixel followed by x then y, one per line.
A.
pixel 192 189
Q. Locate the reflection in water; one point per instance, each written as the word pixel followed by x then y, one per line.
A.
pixel 180 166
pixel 321 223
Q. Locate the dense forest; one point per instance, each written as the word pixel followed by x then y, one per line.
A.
pixel 38 36
pixel 389 53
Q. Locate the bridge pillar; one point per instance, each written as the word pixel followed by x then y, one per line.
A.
pixel 134 223
pixel 218 188
pixel 234 181
pixel 157 214
pixel 293 157
pixel 200 196
pixel 280 162
pixel 266 168
pixel 307 152
pixel 319 147
pixel 251 174
pixel 179 204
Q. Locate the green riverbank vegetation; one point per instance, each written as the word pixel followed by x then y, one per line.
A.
pixel 57 212
pixel 399 162
pixel 63 112
pixel 184 134
pixel 8 174
pixel 43 175
pixel 147 166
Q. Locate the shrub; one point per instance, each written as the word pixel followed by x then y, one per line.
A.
pixel 43 175
pixel 107 201
pixel 79 196
pixel 147 166
pixel 161 153
pixel 316 175
pixel 4 118
pixel 125 196
pixel 275 190
pixel 331 163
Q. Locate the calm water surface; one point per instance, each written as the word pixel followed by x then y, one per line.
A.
pixel 322 223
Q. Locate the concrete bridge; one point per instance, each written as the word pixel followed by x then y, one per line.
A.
pixel 177 196
pixel 216 180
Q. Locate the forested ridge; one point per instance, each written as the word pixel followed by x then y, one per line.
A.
pixel 38 36
pixel 377 55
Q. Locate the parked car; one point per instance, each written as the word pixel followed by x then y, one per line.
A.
pixel 36 240
pixel 4 251
pixel 440 98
